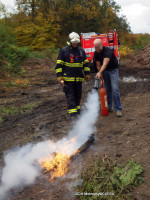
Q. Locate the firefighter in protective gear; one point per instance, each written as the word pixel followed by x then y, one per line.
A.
pixel 72 67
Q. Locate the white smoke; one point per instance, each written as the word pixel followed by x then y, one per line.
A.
pixel 22 166
pixel 85 125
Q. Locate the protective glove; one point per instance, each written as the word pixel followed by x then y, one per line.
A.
pixel 60 78
pixel 87 78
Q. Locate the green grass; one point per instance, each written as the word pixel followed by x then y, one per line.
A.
pixel 5 111
pixel 27 108
pixel 48 53
pixel 37 54
pixel 107 177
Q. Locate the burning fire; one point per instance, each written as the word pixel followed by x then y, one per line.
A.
pixel 57 163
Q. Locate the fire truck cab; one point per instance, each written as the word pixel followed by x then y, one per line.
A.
pixel 108 39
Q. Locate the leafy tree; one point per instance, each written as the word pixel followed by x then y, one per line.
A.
pixel 6 34
pixel 39 34
pixel 67 16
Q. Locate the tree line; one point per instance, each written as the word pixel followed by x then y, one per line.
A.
pixel 40 24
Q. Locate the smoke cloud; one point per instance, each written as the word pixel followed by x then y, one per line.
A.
pixel 21 164
pixel 85 125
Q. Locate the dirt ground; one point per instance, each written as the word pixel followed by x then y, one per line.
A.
pixel 119 138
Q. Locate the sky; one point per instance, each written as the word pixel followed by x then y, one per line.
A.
pixel 10 4
pixel 137 13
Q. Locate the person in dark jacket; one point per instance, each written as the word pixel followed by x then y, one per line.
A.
pixel 72 69
pixel 107 65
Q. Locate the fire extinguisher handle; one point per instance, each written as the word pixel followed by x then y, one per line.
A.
pixel 62 82
pixel 102 81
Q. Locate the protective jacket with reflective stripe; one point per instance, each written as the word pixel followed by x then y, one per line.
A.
pixel 72 64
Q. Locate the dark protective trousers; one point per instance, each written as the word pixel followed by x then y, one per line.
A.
pixel 73 92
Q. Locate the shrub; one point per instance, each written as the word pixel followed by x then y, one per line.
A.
pixel 125 51
pixel 11 55
pixel 15 56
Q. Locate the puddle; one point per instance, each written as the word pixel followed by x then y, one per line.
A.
pixel 132 79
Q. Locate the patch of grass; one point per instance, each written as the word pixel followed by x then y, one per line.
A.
pixel 27 108
pixel 107 177
pixel 48 53
pixel 5 111
pixel 38 54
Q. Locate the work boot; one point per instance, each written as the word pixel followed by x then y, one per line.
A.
pixel 118 113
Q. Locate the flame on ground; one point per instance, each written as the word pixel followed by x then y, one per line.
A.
pixel 57 163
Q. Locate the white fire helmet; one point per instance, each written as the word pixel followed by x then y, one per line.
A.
pixel 74 37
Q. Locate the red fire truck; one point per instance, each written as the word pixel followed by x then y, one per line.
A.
pixel 108 39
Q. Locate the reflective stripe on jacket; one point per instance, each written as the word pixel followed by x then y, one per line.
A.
pixel 72 64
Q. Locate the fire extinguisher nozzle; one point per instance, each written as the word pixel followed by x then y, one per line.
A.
pixel 96 84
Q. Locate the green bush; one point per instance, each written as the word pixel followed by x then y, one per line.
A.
pixel 144 39
pixel 15 56
pixel 6 34
pixel 11 56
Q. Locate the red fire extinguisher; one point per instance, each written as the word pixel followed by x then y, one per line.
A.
pixel 103 99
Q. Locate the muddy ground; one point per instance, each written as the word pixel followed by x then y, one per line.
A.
pixel 119 138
